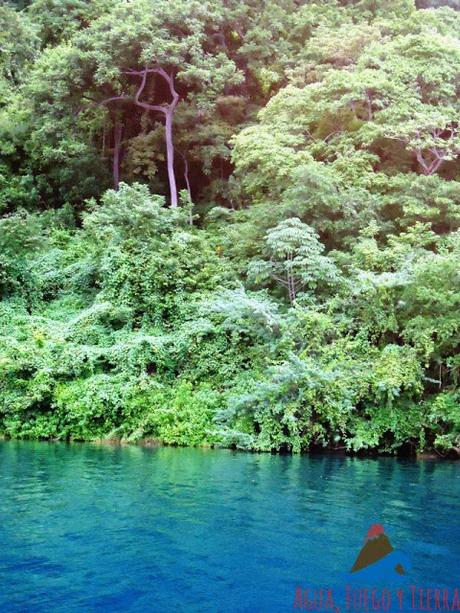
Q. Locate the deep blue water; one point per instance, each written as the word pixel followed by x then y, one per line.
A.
pixel 101 528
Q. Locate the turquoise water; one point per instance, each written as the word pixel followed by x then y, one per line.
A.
pixel 100 528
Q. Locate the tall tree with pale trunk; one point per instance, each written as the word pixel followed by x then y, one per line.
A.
pixel 150 56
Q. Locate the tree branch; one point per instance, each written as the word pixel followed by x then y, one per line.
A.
pixel 146 105
pixel 121 97
pixel 169 80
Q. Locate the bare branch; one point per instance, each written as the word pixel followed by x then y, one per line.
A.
pixel 107 100
pixel 283 282
pixel 146 105
pixel 169 78
pixel 430 168
pixel 421 160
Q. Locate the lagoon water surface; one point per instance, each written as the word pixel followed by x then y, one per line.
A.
pixel 101 528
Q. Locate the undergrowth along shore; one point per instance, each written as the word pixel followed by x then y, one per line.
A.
pixel 151 443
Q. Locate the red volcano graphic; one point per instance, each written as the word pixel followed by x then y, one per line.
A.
pixel 376 547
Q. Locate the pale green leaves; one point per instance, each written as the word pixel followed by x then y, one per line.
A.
pixel 293 259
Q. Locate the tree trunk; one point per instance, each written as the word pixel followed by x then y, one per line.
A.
pixel 166 109
pixel 168 112
pixel 170 156
pixel 291 280
pixel 117 135
pixel 189 189
pixel 187 181
pixel 291 288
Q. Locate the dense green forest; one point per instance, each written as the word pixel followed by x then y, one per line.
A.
pixel 231 223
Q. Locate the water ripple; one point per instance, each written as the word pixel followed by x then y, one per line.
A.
pixel 99 528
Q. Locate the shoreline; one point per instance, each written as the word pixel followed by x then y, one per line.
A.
pixel 150 442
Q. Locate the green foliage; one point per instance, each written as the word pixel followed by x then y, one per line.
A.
pixel 179 416
pixel 305 292
pixel 59 20
pixel 445 421
pixel 295 260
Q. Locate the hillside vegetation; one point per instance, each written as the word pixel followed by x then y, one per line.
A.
pixel 231 223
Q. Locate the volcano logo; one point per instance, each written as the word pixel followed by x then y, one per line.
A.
pixel 378 556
